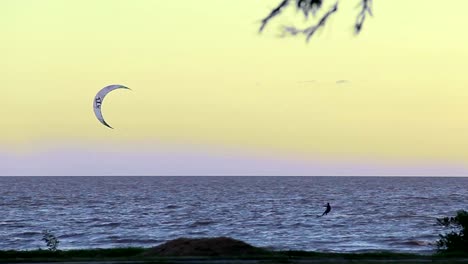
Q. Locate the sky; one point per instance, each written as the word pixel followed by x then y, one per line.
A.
pixel 211 96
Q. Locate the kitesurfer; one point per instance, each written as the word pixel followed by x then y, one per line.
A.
pixel 327 210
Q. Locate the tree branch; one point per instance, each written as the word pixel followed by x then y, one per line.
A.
pixel 312 6
pixel 309 32
pixel 366 7
pixel 273 13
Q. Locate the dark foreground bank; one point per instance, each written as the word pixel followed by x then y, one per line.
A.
pixel 216 250
pixel 136 255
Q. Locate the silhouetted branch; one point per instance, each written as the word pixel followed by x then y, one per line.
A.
pixel 312 29
pixel 365 8
pixel 312 6
pixel 273 13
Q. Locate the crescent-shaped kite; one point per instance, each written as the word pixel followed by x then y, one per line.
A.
pixel 99 98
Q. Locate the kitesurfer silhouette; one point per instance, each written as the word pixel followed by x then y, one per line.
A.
pixel 327 210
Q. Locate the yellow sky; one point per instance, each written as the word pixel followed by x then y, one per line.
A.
pixel 201 74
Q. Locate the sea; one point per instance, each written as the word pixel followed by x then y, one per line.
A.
pixel 368 214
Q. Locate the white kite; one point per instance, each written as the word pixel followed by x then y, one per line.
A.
pixel 99 98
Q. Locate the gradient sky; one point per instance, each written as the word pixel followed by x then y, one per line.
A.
pixel 211 96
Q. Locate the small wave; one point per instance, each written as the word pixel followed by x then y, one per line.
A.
pixel 27 234
pixel 71 235
pixel 80 221
pixel 118 240
pixel 138 241
pixel 414 242
pixel 112 224
pixel 301 224
pixel 197 233
pixel 15 225
pixel 418 243
pixel 8 221
pixel 172 206
pixel 201 223
pixel 92 219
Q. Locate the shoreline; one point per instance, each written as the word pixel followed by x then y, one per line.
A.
pixel 137 255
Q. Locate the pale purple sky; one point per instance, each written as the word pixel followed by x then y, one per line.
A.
pixel 178 160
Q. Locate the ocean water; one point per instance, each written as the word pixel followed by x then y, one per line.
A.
pixel 368 213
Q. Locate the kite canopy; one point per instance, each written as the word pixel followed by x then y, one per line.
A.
pixel 99 98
